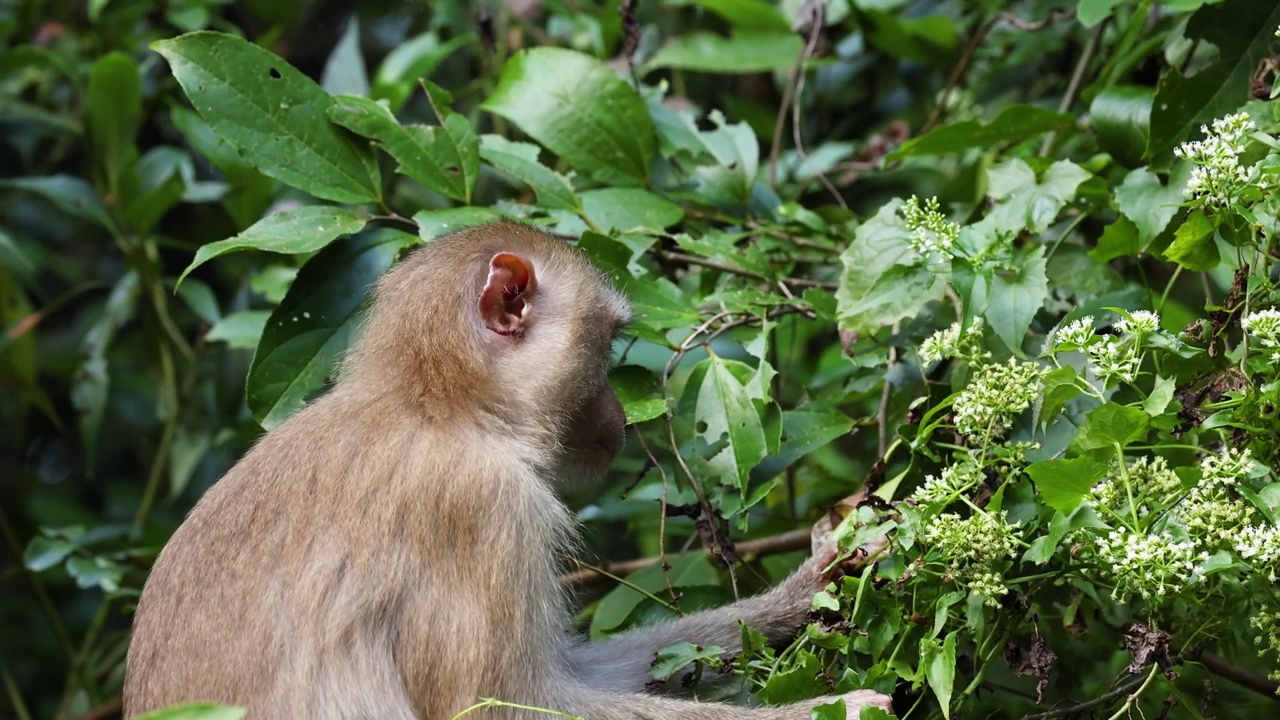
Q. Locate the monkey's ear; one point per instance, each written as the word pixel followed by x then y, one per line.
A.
pixel 504 302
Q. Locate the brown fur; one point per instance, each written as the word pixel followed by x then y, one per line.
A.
pixel 390 551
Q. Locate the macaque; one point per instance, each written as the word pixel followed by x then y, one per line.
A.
pixel 392 551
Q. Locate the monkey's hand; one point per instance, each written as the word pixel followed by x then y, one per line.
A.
pixel 858 699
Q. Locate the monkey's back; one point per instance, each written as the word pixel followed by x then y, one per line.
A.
pixel 287 542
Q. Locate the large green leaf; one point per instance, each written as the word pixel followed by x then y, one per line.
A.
pixel 726 417
pixel 273 114
pixel 444 158
pixel 1244 33
pixel 114 101
pixel 70 194
pixel 1064 483
pixel 1016 296
pixel 520 161
pixel 880 250
pixel 296 231
pixel 625 209
pixel 315 321
pixel 577 107
pixel 1014 124
pixel 742 53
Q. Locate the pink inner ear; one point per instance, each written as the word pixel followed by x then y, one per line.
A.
pixel 504 301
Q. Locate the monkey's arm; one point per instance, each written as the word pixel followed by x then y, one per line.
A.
pixel 621 663
pixel 595 705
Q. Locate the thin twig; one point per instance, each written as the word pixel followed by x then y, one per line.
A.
pixel 723 267
pixel 958 72
pixel 1073 87
pixel 748 549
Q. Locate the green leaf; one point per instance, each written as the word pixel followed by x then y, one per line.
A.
pixel 1150 204
pixel 577 107
pixel 273 114
pixel 640 393
pixel 1060 387
pixel 296 231
pixel 1016 297
pixel 1243 32
pixel 1092 12
pixel 239 330
pixel 95 572
pixel 445 159
pixel 68 193
pixel 671 660
pixel 725 414
pixel 1063 483
pixel 629 209
pixel 43 552
pixel 1119 239
pixel 805 429
pixel 686 570
pixel 897 294
pixel 1014 124
pixel 196 711
pixel 315 321
pixel 410 60
pixel 1043 547
pixel 750 15
pixel 114 104
pixel 1161 395
pixel 742 53
pixel 1121 118
pixel 344 71
pixel 434 223
pixel 520 161
pixel 1026 202
pixel 930 39
pixel 1109 424
pixel 1193 246
pixel 939 664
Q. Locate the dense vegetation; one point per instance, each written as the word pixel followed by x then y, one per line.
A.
pixel 1012 267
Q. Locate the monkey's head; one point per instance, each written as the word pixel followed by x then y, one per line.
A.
pixel 509 327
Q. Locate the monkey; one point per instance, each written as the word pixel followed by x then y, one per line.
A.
pixel 392 550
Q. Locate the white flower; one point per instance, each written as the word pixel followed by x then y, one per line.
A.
pixel 995 394
pixel 951 343
pixel 1154 565
pixel 1259 544
pixel 932 235
pixel 1073 335
pixel 1139 322
pixel 1114 359
pixel 1264 325
pixel 1218 179
pixel 954 480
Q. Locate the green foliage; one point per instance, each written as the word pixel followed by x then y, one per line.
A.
pixel 1014 278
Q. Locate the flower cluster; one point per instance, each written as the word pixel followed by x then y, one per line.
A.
pixel 1218 179
pixel 995 394
pixel 932 235
pixel 1223 470
pixel 1260 545
pixel 972 546
pixel 1139 323
pixel 1111 357
pixel 1267 623
pixel 1153 483
pixel 949 484
pixel 1072 336
pixel 1264 325
pixel 1153 565
pixel 951 342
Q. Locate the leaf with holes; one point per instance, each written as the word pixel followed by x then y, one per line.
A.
pixel 273 114
pixel 725 416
